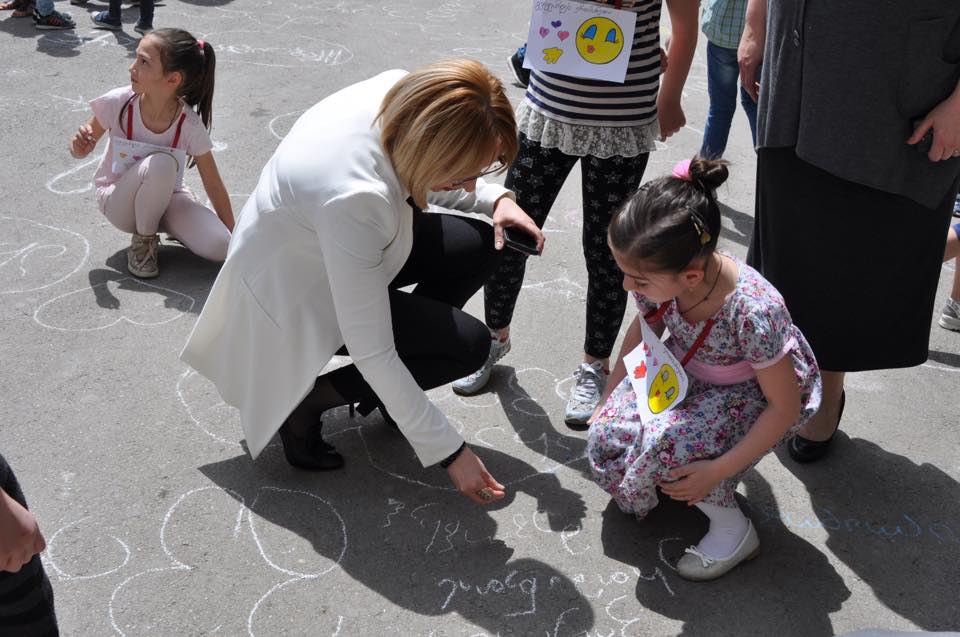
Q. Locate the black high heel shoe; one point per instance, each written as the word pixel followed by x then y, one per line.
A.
pixel 805 450
pixel 309 452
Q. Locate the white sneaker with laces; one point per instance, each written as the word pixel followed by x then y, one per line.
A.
pixel 950 316
pixel 469 385
pixel 589 383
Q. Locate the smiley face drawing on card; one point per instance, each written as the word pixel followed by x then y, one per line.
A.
pixel 658 379
pixel 599 40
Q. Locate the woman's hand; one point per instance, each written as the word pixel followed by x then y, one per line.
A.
pixel 82 142
pixel 20 537
pixel 507 214
pixel 473 480
pixel 693 481
pixel 750 51
pixel 944 120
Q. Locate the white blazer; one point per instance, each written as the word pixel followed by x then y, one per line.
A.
pixel 314 249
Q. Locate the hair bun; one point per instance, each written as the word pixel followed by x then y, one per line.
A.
pixel 708 174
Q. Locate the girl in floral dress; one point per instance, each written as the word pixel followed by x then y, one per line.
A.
pixel 753 379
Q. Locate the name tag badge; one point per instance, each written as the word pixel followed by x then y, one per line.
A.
pixel 580 39
pixel 127 152
pixel 658 378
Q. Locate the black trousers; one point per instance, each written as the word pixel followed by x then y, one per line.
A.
pixel 536 176
pixel 26 597
pixel 450 260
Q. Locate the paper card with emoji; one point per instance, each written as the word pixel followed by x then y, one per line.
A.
pixel 580 39
pixel 127 152
pixel 657 377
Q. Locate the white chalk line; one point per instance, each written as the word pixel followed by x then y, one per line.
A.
pixel 76 191
pixel 122 318
pixel 86 253
pixel 51 560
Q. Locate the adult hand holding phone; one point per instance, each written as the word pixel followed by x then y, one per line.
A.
pixel 507 214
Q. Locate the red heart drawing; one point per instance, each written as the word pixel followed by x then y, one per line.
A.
pixel 591 48
pixel 640 371
pixel 655 361
pixel 563 35
pixel 646 350
pixel 657 395
pixel 544 31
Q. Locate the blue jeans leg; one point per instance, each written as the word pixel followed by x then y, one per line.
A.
pixel 44 7
pixel 722 75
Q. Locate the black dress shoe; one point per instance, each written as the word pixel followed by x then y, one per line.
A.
pixel 309 452
pixel 805 450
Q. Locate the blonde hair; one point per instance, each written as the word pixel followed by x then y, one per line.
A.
pixel 446 121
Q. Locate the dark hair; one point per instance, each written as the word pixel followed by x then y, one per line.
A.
pixel 195 60
pixel 671 221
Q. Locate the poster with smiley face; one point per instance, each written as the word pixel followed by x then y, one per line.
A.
pixel 580 39
pixel 657 377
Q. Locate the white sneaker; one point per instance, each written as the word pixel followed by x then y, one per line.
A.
pixel 950 316
pixel 469 385
pixel 590 380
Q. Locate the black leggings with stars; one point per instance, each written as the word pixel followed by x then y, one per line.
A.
pixel 536 177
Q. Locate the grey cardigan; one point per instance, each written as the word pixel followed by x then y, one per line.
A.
pixel 843 79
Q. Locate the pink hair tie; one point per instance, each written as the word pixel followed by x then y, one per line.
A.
pixel 200 43
pixel 682 170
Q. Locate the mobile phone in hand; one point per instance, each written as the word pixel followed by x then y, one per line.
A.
pixel 520 241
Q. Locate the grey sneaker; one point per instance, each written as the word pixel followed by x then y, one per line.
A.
pixel 142 256
pixel 950 316
pixel 585 393
pixel 469 385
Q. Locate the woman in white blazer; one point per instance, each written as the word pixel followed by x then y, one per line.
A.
pixel 333 229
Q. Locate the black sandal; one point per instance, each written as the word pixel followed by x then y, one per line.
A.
pixel 804 450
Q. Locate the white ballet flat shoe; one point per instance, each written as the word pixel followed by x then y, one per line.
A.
pixel 699 567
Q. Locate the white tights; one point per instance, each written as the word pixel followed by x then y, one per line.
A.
pixel 143 201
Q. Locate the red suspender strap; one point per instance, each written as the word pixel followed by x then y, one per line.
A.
pixel 130 118
pixel 697 343
pixel 654 316
pixel 176 137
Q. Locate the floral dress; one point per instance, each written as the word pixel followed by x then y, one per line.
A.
pixel 753 330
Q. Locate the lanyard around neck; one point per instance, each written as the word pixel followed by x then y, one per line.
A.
pixel 655 316
pixel 176 135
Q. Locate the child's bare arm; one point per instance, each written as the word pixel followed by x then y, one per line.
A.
pixel 86 138
pixel 216 191
pixel 630 342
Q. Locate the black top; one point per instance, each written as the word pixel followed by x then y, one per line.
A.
pixel 843 80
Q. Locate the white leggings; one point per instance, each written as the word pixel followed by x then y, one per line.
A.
pixel 143 201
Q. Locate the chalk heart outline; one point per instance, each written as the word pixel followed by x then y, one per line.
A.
pixel 216 549
pixel 19 254
pixel 145 309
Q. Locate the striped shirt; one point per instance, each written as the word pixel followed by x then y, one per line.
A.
pixel 575 100
pixel 723 22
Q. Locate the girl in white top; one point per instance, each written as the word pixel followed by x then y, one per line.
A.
pixel 172 75
pixel 333 230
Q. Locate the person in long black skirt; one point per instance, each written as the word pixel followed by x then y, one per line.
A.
pixel 857 173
